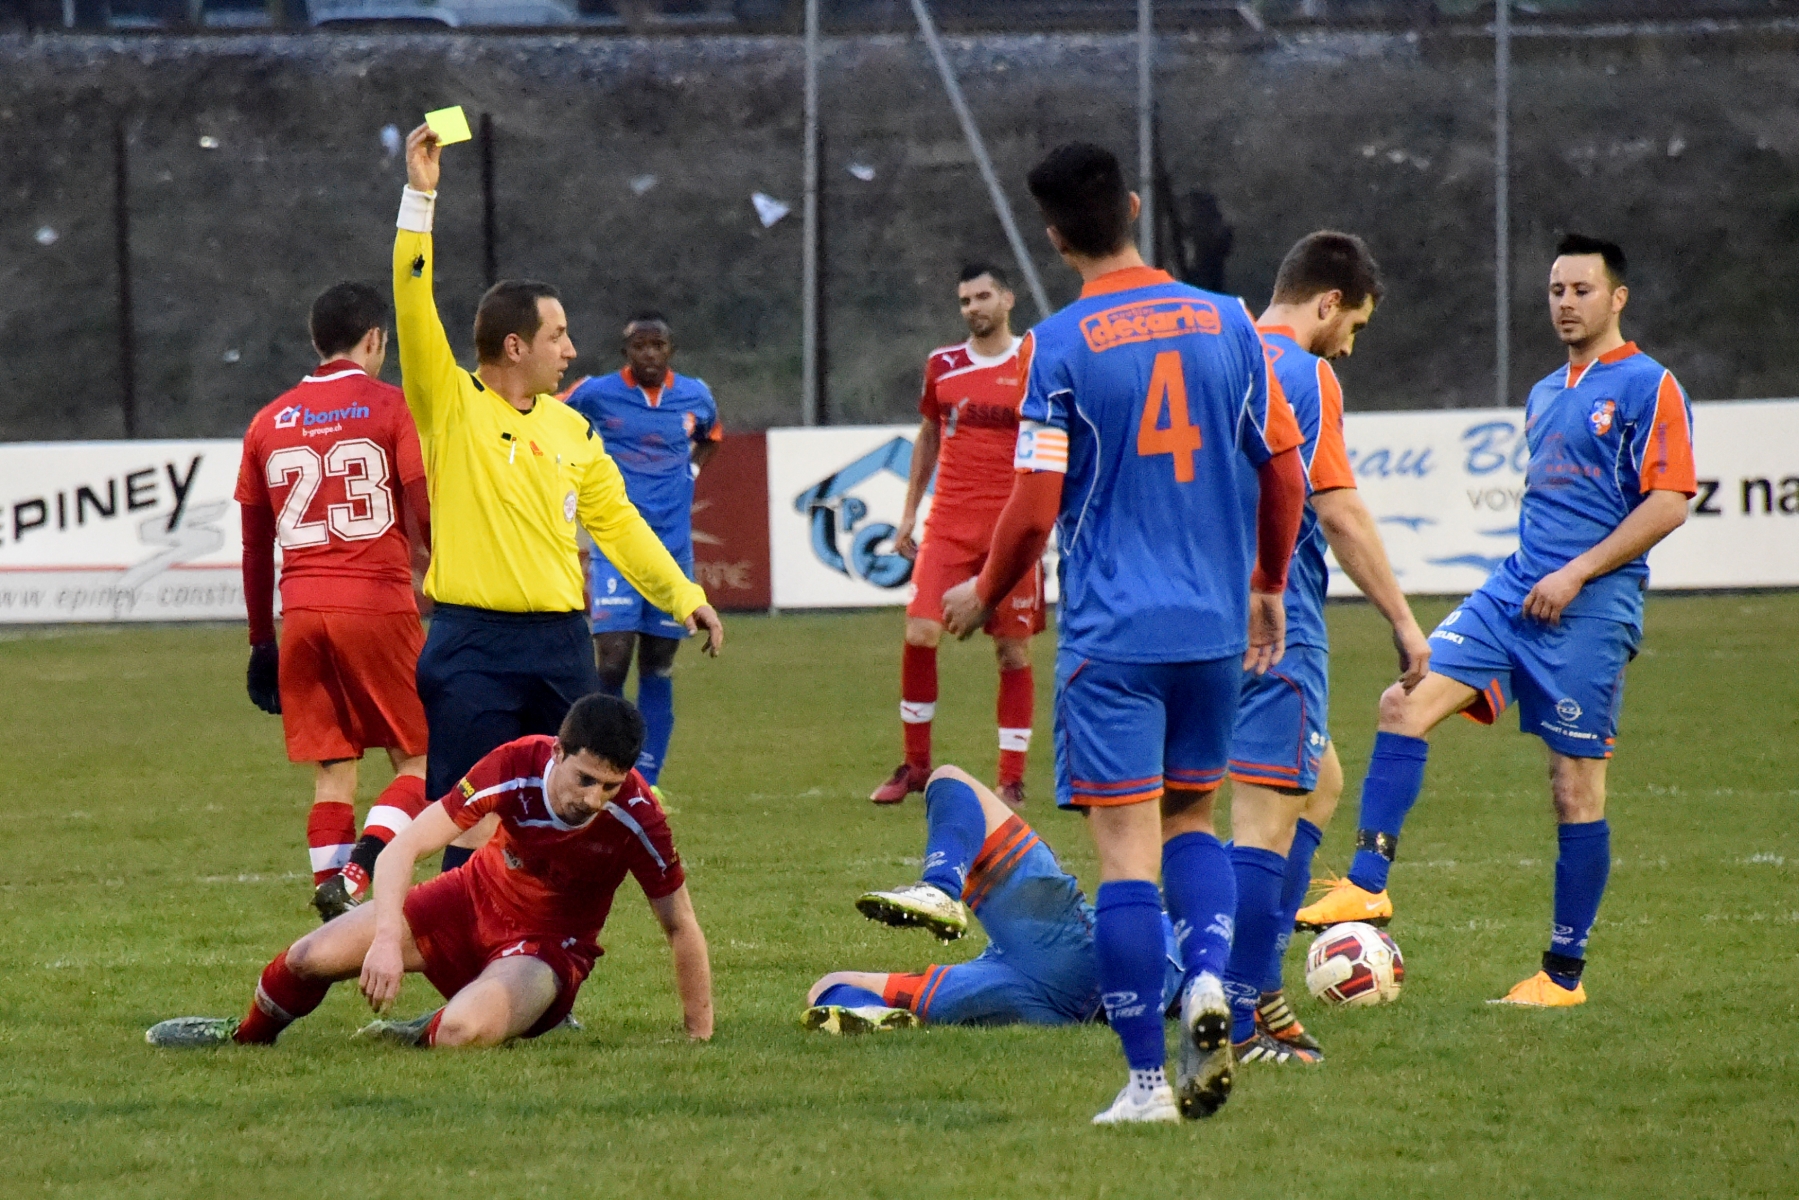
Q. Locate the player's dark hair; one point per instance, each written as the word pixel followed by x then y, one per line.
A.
pixel 608 727
pixel 1611 252
pixel 648 316
pixel 1080 188
pixel 975 270
pixel 342 316
pixel 1328 261
pixel 509 307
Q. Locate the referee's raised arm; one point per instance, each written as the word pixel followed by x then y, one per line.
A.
pixel 512 472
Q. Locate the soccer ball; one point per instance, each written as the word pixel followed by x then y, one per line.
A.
pixel 1354 964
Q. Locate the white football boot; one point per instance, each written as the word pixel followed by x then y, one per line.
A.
pixel 1133 1107
pixel 1203 1079
pixel 922 904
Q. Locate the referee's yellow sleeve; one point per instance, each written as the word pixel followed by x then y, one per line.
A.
pixel 630 544
pixel 428 371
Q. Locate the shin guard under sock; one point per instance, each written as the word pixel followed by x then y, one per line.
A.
pixel 1581 870
pixel 656 701
pixel 282 998
pixel 955 828
pixel 918 702
pixel 1017 699
pixel 1395 777
pixel 1127 938
pixel 1259 874
pixel 1297 878
pixel 1202 900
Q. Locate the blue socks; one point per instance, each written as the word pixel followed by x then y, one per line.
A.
pixel 1581 869
pixel 1395 776
pixel 656 701
pixel 1202 900
pixel 1306 837
pixel 849 996
pixel 1127 937
pixel 955 827
pixel 1261 877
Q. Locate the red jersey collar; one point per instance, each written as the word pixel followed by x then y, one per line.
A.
pixel 655 400
pixel 1124 279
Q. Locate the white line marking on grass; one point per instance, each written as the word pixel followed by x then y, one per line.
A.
pixel 284 877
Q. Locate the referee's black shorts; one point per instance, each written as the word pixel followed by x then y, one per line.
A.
pixel 488 677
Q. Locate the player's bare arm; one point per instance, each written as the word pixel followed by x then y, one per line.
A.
pixel 693 964
pixel 1661 513
pixel 1355 540
pixel 924 464
pixel 384 966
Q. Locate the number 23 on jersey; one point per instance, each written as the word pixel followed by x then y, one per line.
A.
pixel 368 509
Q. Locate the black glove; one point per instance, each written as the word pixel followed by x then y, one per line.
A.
pixel 265 677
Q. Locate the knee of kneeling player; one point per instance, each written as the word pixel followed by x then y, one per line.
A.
pixel 469 1029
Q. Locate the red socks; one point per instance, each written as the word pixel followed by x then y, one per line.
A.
pixel 429 1037
pixel 395 808
pixel 1017 702
pixel 918 703
pixel 282 998
pixel 330 836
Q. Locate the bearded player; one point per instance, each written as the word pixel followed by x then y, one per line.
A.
pixel 508 937
pixel 331 473
pixel 970 428
pixel 1610 474
pixel 1285 777
pixel 660 428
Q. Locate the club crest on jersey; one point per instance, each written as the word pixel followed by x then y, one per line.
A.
pixel 1148 320
pixel 688 423
pixel 1601 417
pixel 288 417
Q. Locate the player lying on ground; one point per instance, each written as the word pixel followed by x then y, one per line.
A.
pixel 1282 761
pixel 1611 471
pixel 1156 443
pixel 338 459
pixel 1039 966
pixel 660 428
pixel 508 937
pixel 970 428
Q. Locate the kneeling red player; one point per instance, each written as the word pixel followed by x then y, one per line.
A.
pixel 509 936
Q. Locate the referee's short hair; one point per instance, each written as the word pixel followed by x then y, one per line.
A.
pixel 509 307
pixel 609 727
pixel 343 314
pixel 1328 261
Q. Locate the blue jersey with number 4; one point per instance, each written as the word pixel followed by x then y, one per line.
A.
pixel 1602 437
pixel 650 436
pixel 1156 400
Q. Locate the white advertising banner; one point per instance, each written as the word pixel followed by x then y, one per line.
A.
pixel 119 531
pixel 1444 485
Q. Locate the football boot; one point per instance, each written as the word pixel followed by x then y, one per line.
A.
pixel 1274 1016
pixel 1130 1108
pixel 905 780
pixel 846 1021
pixel 1202 1081
pixel 399 1033
pixel 1540 991
pixel 1262 1046
pixel 187 1033
pixel 921 904
pixel 340 893
pixel 1011 794
pixel 1345 902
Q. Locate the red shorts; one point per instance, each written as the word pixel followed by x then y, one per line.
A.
pixel 944 561
pixel 457 944
pixel 348 682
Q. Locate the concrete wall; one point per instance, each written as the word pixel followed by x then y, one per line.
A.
pixel 1683 145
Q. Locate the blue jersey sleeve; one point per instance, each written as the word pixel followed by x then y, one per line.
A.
pixel 1044 415
pixel 705 412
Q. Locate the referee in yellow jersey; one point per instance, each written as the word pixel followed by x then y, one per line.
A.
pixel 512 471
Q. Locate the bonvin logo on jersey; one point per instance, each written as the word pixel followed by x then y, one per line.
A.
pixel 1148 320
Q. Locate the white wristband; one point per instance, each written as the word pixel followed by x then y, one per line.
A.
pixel 416 210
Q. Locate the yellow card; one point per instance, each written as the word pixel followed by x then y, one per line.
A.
pixel 450 125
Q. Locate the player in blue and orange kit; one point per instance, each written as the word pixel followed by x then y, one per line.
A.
pixel 660 428
pixel 1149 411
pixel 1039 966
pixel 1285 777
pixel 1611 471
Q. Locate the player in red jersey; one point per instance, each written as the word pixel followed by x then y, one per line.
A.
pixel 970 428
pixel 332 473
pixel 508 937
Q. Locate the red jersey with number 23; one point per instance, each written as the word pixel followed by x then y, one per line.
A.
pixel 539 874
pixel 330 458
pixel 974 400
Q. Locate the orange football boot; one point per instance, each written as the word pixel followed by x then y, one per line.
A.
pixel 1344 902
pixel 1540 991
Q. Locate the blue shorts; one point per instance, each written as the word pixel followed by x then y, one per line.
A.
pixel 1039 967
pixel 1568 679
pixel 617 607
pixel 1283 722
pixel 1124 731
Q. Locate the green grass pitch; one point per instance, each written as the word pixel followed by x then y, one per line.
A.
pixel 153 860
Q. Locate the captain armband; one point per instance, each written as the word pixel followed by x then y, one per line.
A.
pixel 1041 448
pixel 416 210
